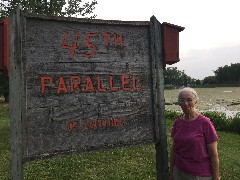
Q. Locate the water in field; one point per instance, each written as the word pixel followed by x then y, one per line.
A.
pixel 221 99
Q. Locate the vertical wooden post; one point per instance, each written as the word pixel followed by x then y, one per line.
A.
pixel 159 101
pixel 15 81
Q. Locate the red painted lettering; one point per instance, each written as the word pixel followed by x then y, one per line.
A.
pixel 125 81
pixel 88 44
pixel 44 84
pixel 89 85
pixel 120 122
pixel 100 89
pixel 72 125
pixel 72 48
pixel 93 124
pixel 118 40
pixel 75 82
pixel 62 86
pixel 100 123
pixel 85 126
pixel 103 123
pixel 134 82
pixel 111 84
pixel 114 122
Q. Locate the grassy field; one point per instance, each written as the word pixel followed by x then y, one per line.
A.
pixel 134 163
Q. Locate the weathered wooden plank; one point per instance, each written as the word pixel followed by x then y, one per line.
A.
pixel 16 98
pixel 159 107
pixel 85 20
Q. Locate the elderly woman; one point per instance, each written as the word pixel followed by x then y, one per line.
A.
pixel 194 154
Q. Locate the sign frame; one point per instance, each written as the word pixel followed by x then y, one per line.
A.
pixel 18 95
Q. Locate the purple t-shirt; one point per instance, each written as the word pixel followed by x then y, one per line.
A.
pixel 191 139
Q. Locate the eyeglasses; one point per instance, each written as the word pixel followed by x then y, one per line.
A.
pixel 188 100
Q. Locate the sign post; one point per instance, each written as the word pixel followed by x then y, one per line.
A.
pixel 159 101
pixel 16 99
pixel 78 85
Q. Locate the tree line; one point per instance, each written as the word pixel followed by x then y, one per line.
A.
pixel 226 74
pixel 66 8
pixel 223 75
pixel 174 77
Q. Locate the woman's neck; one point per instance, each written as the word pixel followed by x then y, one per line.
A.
pixel 191 116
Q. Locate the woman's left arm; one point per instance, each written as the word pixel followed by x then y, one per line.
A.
pixel 213 153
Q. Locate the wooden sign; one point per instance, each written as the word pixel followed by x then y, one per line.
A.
pixel 87 85
pixel 79 85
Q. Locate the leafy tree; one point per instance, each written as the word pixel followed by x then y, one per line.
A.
pixel 210 80
pixel 65 8
pixel 175 77
pixel 227 73
pixel 197 81
pixel 185 80
pixel 171 76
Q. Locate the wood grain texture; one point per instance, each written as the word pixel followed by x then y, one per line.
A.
pixel 16 86
pixel 159 101
pixel 123 117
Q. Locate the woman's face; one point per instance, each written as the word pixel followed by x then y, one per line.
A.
pixel 187 101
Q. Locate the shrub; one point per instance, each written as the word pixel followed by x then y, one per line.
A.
pixel 235 124
pixel 219 119
pixel 172 115
pixel 4 89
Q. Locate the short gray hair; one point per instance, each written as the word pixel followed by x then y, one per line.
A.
pixel 188 89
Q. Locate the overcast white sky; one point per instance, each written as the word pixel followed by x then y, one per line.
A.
pixel 211 38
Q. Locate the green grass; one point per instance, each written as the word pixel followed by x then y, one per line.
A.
pixel 120 163
pixel 229 149
pixel 4 142
pixel 130 163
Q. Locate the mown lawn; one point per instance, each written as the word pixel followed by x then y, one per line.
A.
pixel 120 163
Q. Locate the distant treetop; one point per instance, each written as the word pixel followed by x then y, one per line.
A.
pixel 67 8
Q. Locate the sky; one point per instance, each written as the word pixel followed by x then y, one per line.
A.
pixel 211 38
